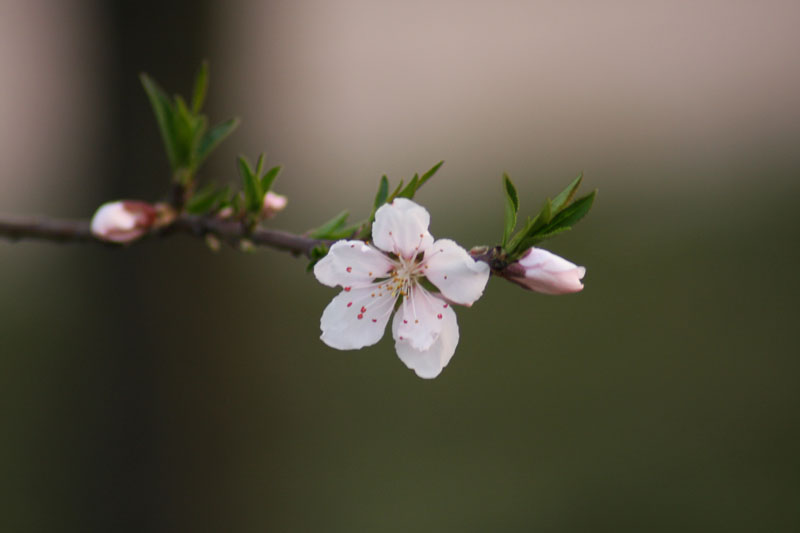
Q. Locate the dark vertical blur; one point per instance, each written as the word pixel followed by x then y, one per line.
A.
pixel 128 475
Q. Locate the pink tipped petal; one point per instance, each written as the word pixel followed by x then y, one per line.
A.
pixel 548 273
pixel 460 278
pixel 419 320
pixel 351 264
pixel 402 228
pixel 429 363
pixel 122 221
pixel 112 217
pixel 356 318
pixel 273 204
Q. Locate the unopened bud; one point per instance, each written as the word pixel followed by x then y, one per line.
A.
pixel 541 271
pixel 123 221
pixel 273 203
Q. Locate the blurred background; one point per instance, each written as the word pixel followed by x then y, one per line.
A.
pixel 168 388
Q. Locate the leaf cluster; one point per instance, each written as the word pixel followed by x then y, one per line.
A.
pixel 337 228
pixel 255 184
pixel 210 199
pixel 247 204
pixel 555 217
pixel 184 128
pixel 188 141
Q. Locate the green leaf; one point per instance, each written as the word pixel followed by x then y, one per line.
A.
pixel 429 174
pixel 253 196
pixel 541 219
pixel 536 239
pixel 260 164
pixel 410 189
pixel 395 192
pixel 164 111
pixel 183 114
pixel 317 253
pixel 416 182
pixel 530 229
pixel 201 201
pixel 536 231
pixel 381 197
pixel 268 178
pixel 565 197
pixel 382 194
pixel 334 224
pixel 512 208
pixel 207 199
pixel 200 88
pixel 184 125
pixel 244 168
pixel 347 232
pixel 555 217
pixel 200 128
pixel 573 212
pixel 212 139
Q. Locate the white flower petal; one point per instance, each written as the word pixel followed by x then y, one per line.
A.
pixel 352 264
pixel 419 320
pixel 450 267
pixel 429 363
pixel 356 317
pixel 402 228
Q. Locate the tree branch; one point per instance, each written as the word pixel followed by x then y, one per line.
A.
pixel 233 232
pixel 17 228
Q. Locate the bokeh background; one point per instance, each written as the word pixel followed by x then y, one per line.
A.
pixel 168 388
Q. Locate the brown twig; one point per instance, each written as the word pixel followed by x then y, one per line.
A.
pixel 233 232
pixel 17 228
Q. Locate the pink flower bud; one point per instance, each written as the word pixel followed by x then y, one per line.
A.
pixel 273 203
pixel 541 271
pixel 225 212
pixel 123 221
